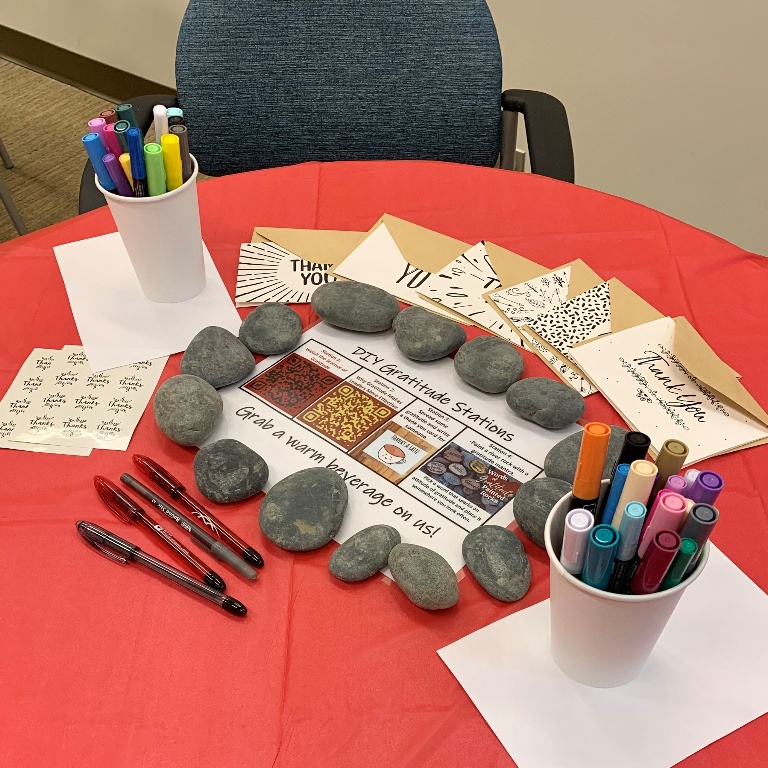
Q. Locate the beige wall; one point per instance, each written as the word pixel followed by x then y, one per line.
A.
pixel 666 98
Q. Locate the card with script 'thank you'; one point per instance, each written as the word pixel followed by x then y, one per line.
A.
pixel 642 377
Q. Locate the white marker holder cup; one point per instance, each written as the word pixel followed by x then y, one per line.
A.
pixel 599 638
pixel 162 237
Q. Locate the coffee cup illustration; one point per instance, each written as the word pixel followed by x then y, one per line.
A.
pixel 391 454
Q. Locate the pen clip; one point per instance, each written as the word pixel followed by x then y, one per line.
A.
pixel 102 551
pixel 158 475
pixel 120 504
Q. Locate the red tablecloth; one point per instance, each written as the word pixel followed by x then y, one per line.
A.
pixel 108 666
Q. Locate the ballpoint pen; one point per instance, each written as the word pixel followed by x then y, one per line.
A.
pixel 128 510
pixel 200 536
pixel 176 491
pixel 122 551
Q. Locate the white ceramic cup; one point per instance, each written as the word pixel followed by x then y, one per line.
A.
pixel 599 638
pixel 162 237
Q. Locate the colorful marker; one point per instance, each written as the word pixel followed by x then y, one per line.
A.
pixel 706 488
pixel 677 484
pixel 629 536
pixel 125 112
pixel 138 171
pixel 113 145
pixel 186 160
pixel 634 447
pixel 174 112
pixel 640 480
pixel 114 169
pixel 176 121
pixel 654 566
pixel 667 516
pixel 109 115
pixel 670 461
pixel 598 560
pixel 690 478
pixel 698 526
pixel 614 493
pixel 160 114
pixel 96 152
pixel 97 126
pixel 676 572
pixel 121 128
pixel 125 162
pixel 172 161
pixel 153 160
pixel 578 524
pixel 589 467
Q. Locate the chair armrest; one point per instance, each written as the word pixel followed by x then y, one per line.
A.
pixel 90 197
pixel 546 127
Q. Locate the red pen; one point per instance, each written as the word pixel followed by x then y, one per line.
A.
pixel 128 510
pixel 655 563
pixel 176 490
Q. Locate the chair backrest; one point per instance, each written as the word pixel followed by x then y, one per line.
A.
pixel 274 82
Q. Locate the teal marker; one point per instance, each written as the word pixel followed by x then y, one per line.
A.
pixel 121 132
pixel 125 112
pixel 601 552
pixel 174 112
pixel 676 572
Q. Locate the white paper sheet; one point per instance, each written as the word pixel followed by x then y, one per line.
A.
pixel 418 448
pixel 118 325
pixel 707 676
pixel 269 272
pixel 638 374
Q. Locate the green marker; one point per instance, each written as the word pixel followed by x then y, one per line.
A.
pixel 682 559
pixel 121 129
pixel 125 112
pixel 153 159
pixel 175 112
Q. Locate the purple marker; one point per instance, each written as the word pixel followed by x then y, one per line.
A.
pixel 677 484
pixel 117 174
pixel 97 126
pixel 690 478
pixel 706 487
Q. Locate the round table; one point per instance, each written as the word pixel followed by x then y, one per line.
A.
pixel 105 667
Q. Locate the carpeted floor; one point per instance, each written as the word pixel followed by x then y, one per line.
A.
pixel 41 124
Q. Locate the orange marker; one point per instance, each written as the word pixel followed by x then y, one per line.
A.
pixel 589 468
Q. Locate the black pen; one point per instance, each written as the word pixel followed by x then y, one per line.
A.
pixel 122 551
pixel 199 535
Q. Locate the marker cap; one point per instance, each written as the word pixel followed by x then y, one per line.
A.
pixel 121 128
pixel 125 162
pixel 125 112
pixel 115 170
pixel 96 152
pixel 698 526
pixel 706 487
pixel 640 480
pixel 136 152
pixel 578 523
pixel 160 115
pixel 174 112
pixel 654 566
pixel 636 445
pixel 690 477
pixel 172 160
pixel 629 532
pixel 676 572
pixel 589 467
pixel 614 492
pixel 109 115
pixel 599 557
pixel 667 516
pixel 677 484
pixel 153 160
pixel 97 126
pixel 113 145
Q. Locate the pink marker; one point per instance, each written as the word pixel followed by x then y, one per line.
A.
pixel 97 126
pixel 109 138
pixel 669 515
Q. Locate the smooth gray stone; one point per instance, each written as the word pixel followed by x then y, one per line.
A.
pixel 271 329
pixel 533 503
pixel 217 356
pixel 497 559
pixel 546 402
pixel 425 336
pixel 355 306
pixel 489 364
pixel 364 554
pixel 229 470
pixel 305 510
pixel 561 460
pixel 186 409
pixel 424 576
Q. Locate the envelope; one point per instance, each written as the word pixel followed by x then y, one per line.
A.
pixel 322 246
pixel 701 361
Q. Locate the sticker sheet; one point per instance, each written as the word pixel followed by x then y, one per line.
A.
pixel 460 287
pixel 56 401
pixel 268 272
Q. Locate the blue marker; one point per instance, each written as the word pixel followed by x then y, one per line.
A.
pixel 629 536
pixel 601 552
pixel 138 169
pixel 614 492
pixel 96 152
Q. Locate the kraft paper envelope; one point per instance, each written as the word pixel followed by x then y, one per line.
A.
pixel 323 246
pixel 701 361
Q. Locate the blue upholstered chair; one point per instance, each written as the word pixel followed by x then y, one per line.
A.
pixel 265 83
